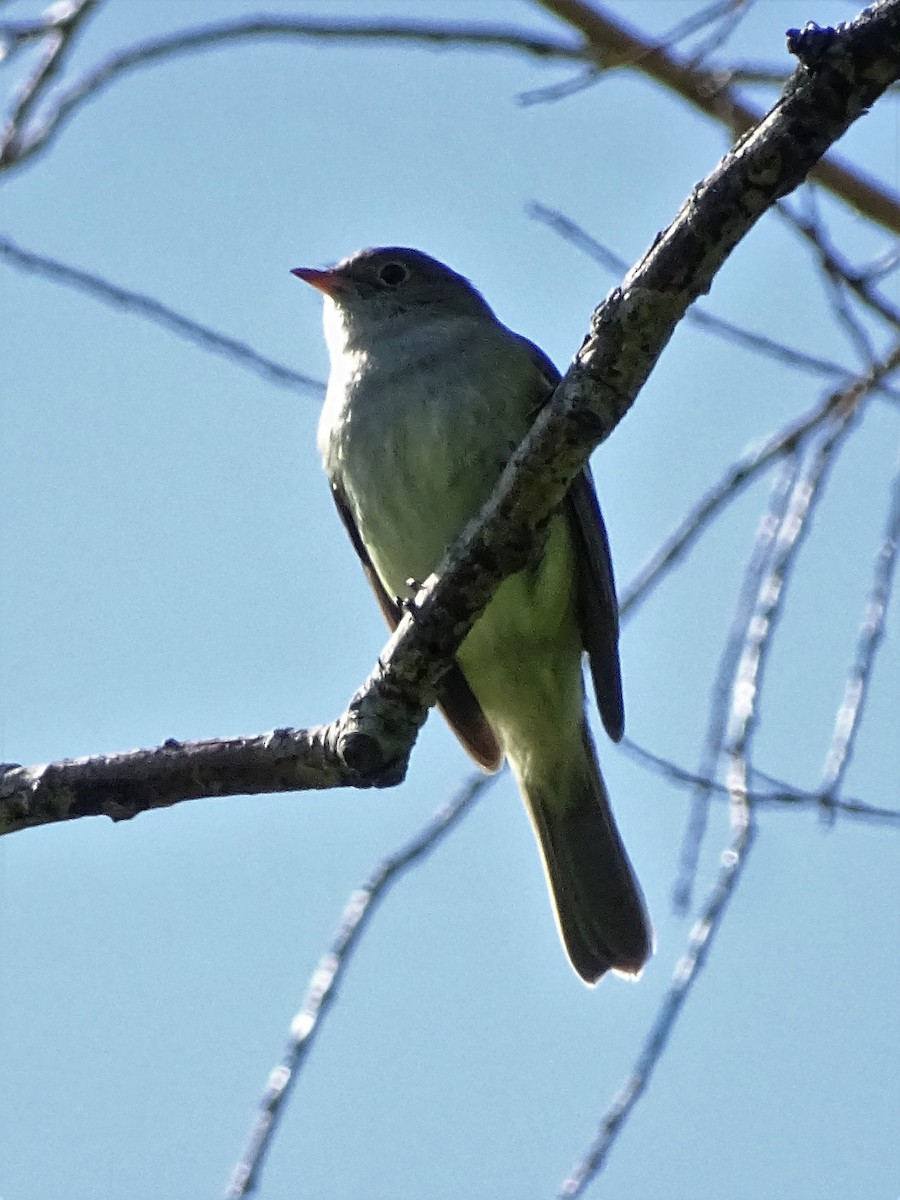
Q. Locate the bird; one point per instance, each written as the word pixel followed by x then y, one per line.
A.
pixel 428 395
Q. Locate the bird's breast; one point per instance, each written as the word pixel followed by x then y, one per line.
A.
pixel 417 442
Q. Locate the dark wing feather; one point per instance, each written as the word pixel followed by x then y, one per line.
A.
pixel 598 608
pixel 597 603
pixel 457 701
pixel 389 606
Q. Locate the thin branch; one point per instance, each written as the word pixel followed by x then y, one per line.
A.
pixel 752 75
pixel 159 313
pixel 743 716
pixel 838 286
pixel 607 43
pixel 736 478
pixel 16 35
pixel 723 11
pixel 781 796
pixel 616 44
pixel 778 557
pixel 883 265
pixel 450 35
pixel 847 319
pixel 849 716
pixel 579 82
pixel 758 343
pixel 723 685
pixel 60 33
pixel 793 528
pixel 726 15
pixel 788 356
pixel 684 976
pixel 836 266
pixel 576 235
pixel 742 719
pixel 322 990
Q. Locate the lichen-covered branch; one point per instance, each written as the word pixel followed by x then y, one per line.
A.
pixel 120 786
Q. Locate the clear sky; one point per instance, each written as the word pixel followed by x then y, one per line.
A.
pixel 172 566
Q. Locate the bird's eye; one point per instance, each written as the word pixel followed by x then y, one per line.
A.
pixel 392 274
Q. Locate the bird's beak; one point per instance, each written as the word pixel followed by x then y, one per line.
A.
pixel 329 282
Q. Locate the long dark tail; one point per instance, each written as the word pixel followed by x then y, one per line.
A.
pixel 598 901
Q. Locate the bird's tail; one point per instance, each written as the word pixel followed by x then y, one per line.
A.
pixel 598 902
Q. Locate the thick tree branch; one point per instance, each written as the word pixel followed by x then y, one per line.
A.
pixel 369 745
pixel 122 785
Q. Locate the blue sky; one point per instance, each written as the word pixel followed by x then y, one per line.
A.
pixel 173 567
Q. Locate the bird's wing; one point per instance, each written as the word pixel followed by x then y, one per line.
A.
pixel 456 700
pixel 597 603
pixel 598 608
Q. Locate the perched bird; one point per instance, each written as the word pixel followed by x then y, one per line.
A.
pixel 428 396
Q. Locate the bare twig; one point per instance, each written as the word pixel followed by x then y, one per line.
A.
pixel 579 82
pixel 723 684
pixel 322 990
pixel 838 287
pixel 726 12
pixel 615 44
pixel 883 265
pixel 780 795
pixel 685 974
pixel 835 266
pixel 805 494
pixel 576 235
pixel 847 319
pixel 60 32
pixel 607 43
pixel 16 35
pixel 759 343
pixel 159 313
pixel 794 526
pixel 743 715
pixel 450 35
pixel 849 715
pixel 753 75
pixel 726 15
pixel 737 477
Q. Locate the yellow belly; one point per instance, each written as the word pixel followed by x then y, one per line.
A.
pixel 523 658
